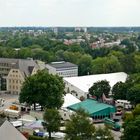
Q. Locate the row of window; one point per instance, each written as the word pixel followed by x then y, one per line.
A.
pixel 15 71
pixel 68 73
pixel 13 87
pixel 15 81
pixel 4 69
pixel 14 75
pixel 4 64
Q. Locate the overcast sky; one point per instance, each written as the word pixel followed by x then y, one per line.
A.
pixel 69 12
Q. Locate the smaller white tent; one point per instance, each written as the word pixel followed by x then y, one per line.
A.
pixel 9 132
pixel 26 119
pixel 69 99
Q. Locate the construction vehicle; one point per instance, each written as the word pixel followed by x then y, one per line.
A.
pixel 13 107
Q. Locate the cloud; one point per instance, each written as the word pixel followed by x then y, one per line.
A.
pixel 69 12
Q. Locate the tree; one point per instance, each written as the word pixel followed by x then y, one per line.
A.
pixel 119 91
pixel 132 129
pixel 112 64
pixel 128 63
pixel 52 120
pixel 130 47
pixel 103 134
pixel 133 94
pixel 99 88
pixel 98 65
pixel 84 65
pixel 43 88
pixel 137 62
pixel 79 127
pixel 136 111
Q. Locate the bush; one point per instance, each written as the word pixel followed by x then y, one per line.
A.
pixel 35 138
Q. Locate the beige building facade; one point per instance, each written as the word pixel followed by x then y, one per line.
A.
pixel 16 70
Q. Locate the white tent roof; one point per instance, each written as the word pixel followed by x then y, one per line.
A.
pixel 9 132
pixel 69 99
pixel 27 118
pixel 85 82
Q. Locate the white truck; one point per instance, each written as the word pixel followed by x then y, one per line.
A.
pixel 12 113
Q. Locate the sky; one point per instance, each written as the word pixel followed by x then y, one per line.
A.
pixel 94 13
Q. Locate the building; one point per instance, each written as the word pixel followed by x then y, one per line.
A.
pixel 79 86
pixel 5 66
pixel 9 132
pixel 55 30
pixel 69 100
pixel 95 109
pixel 14 71
pixel 81 29
pixel 63 69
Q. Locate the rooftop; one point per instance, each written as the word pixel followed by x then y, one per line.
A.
pixel 62 64
pixel 69 99
pixel 9 132
pixel 85 82
pixel 91 106
pixel 25 65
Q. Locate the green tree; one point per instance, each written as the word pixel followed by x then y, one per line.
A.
pixel 128 63
pixel 133 94
pixel 52 120
pixel 119 91
pixel 112 64
pixel 136 111
pixel 98 65
pixel 103 134
pixel 79 127
pixel 137 62
pixel 99 88
pixel 43 88
pixel 84 65
pixel 132 130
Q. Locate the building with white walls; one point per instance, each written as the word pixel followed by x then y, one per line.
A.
pixel 79 86
pixel 63 69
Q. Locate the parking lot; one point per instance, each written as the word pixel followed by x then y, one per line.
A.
pixel 9 99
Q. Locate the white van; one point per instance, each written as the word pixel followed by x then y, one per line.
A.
pixel 124 103
pixel 12 113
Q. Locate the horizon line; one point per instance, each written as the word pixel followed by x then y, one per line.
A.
pixel 19 26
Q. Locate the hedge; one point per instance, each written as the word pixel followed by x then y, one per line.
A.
pixel 35 138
